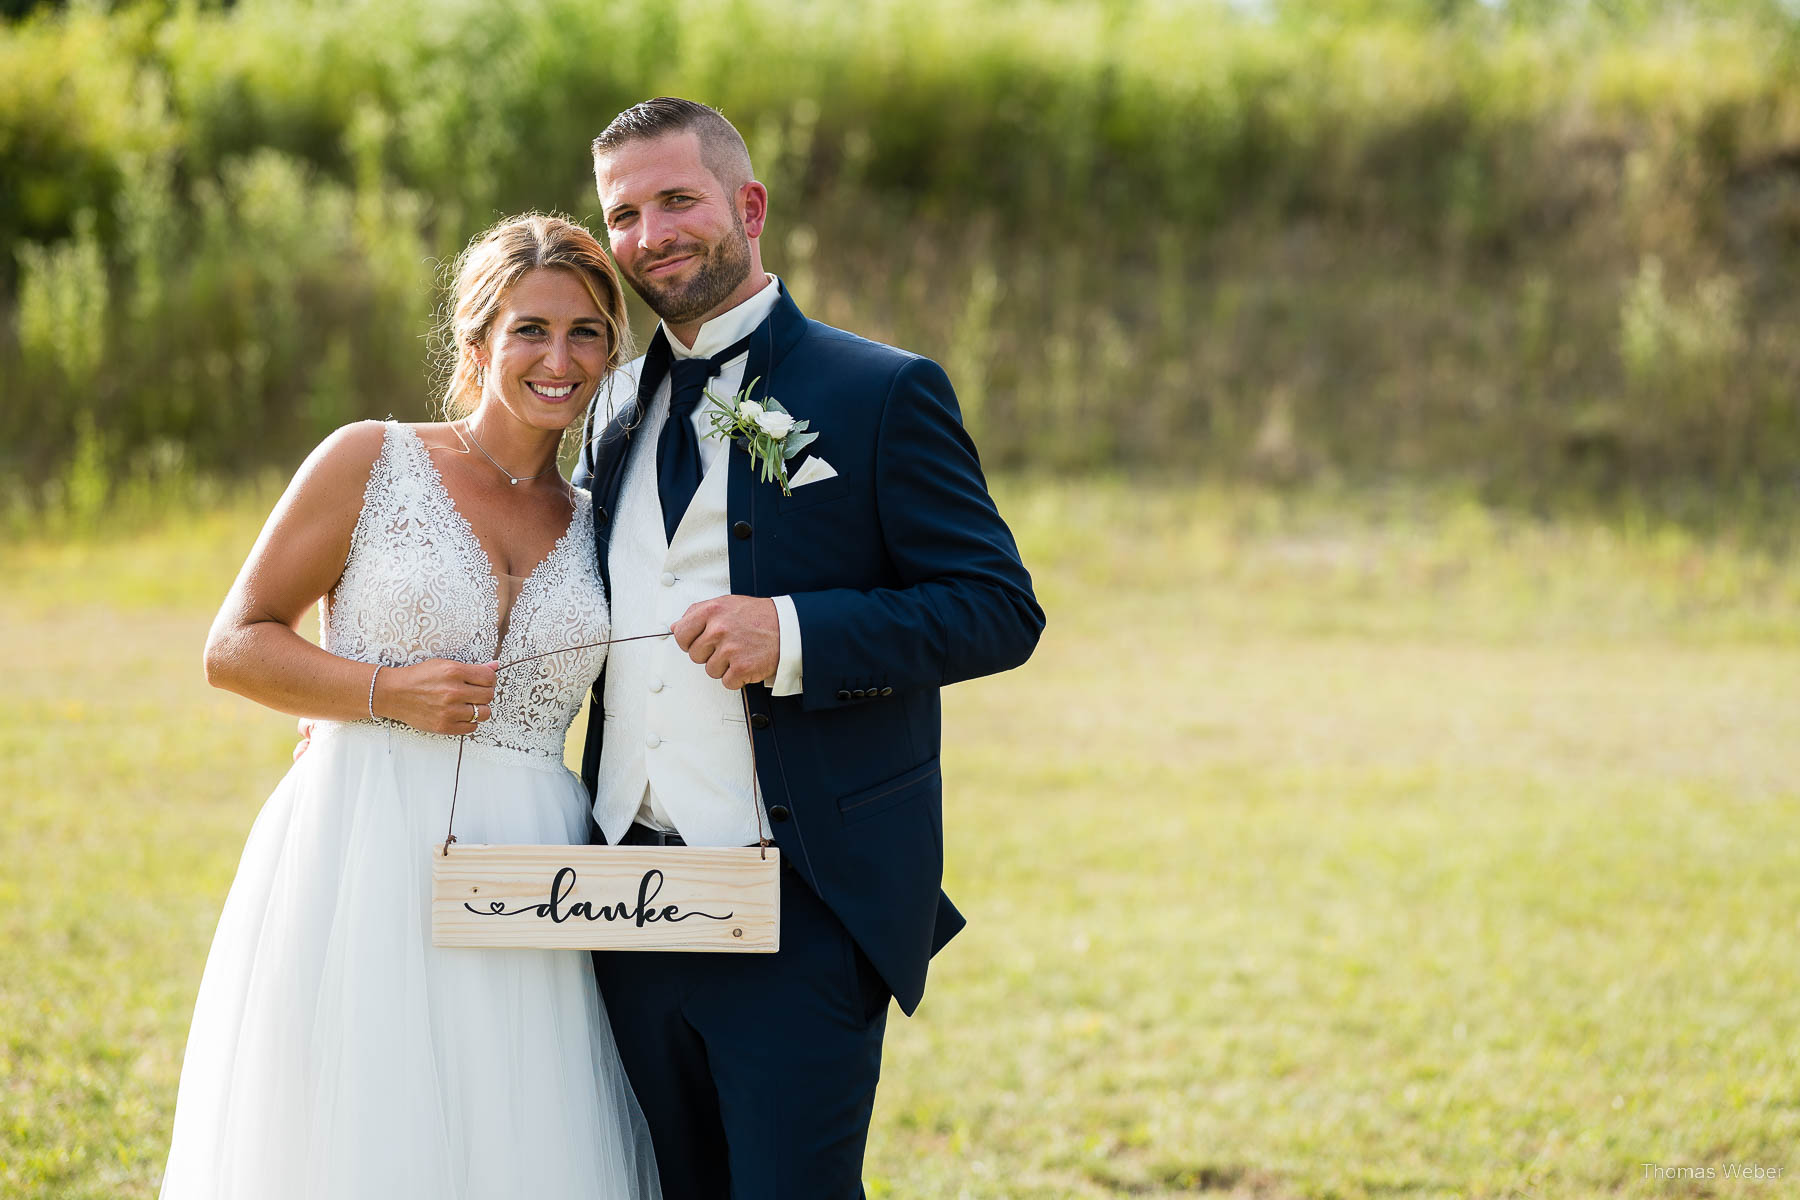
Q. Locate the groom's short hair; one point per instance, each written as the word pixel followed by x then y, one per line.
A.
pixel 722 147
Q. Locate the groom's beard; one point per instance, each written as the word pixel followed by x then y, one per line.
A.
pixel 723 266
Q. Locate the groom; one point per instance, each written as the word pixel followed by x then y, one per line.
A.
pixel 838 611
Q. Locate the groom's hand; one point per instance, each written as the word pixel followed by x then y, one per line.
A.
pixel 736 638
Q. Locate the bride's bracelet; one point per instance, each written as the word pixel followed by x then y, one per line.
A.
pixel 372 676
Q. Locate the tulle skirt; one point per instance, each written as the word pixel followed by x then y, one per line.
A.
pixel 336 1054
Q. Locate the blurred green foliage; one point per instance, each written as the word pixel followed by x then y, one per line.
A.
pixel 1529 244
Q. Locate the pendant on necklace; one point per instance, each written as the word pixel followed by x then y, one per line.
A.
pixel 513 481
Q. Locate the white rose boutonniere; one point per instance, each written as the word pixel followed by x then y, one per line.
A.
pixel 766 429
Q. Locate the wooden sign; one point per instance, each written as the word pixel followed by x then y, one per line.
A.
pixel 607 897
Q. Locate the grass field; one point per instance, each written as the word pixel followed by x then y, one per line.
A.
pixel 1329 847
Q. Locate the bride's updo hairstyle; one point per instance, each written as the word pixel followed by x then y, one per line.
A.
pixel 484 272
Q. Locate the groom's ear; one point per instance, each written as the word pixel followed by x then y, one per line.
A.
pixel 753 206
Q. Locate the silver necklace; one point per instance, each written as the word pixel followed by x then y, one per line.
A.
pixel 515 480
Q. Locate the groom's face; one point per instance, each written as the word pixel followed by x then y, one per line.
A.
pixel 676 231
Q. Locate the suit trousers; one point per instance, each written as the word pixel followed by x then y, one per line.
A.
pixel 756 1072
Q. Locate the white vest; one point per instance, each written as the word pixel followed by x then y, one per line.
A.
pixel 668 723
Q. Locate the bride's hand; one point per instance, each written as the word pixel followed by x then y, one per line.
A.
pixel 437 695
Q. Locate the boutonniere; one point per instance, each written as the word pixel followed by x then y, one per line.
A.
pixel 764 428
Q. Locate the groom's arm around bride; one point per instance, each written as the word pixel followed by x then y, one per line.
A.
pixel 859 595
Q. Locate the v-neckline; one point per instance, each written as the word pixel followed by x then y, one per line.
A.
pixel 493 576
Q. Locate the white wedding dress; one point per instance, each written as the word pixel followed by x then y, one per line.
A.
pixel 335 1053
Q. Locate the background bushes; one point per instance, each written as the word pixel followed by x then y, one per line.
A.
pixel 1535 246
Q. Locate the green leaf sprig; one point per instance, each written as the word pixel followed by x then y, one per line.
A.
pixel 763 427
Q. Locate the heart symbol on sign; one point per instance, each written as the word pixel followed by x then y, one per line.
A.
pixel 497 906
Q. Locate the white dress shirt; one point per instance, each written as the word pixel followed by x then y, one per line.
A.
pixel 712 338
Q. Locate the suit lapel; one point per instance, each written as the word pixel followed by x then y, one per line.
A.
pixel 768 346
pixel 623 437
pixel 623 434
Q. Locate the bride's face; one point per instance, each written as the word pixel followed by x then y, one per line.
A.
pixel 546 351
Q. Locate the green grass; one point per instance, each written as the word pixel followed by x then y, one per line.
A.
pixel 1330 847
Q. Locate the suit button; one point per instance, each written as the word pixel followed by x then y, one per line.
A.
pixel 887 691
pixel 599 515
pixel 741 530
pixel 759 720
pixel 656 685
pixel 843 695
pixel 653 741
pixel 859 694
pixel 667 580
pixel 778 812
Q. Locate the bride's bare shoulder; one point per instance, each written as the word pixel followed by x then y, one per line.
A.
pixel 437 435
pixel 343 458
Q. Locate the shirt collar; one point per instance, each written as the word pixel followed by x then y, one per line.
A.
pixel 733 325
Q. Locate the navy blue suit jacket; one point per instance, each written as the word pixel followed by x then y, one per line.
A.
pixel 904 579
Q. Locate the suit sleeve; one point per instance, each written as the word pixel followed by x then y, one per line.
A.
pixel 964 606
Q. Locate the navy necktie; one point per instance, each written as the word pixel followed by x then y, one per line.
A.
pixel 678 449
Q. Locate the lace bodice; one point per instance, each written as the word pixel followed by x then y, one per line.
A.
pixel 418 585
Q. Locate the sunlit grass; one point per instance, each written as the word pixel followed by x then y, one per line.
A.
pixel 1328 847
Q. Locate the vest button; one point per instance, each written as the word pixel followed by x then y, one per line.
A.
pixel 599 515
pixel 656 685
pixel 778 812
pixel 653 741
pixel 759 720
pixel 668 580
pixel 741 530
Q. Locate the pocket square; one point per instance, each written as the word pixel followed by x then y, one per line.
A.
pixel 812 471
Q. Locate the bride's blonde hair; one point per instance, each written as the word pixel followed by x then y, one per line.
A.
pixel 491 264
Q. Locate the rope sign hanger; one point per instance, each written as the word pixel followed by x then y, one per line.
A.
pixel 762 832
pixel 692 898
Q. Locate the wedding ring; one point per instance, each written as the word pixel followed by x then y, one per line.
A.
pixel 474 713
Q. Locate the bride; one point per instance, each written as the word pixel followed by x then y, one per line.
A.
pixel 335 1053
